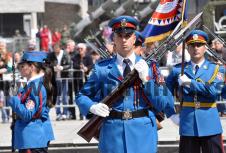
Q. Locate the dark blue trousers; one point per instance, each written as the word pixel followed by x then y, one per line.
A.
pixel 206 144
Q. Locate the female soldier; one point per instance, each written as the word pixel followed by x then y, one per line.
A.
pixel 33 129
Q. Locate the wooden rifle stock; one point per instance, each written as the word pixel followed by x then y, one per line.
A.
pixel 91 129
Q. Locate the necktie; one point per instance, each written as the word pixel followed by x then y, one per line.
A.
pixel 127 68
pixel 196 69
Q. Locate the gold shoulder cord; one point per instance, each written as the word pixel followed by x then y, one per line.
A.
pixel 213 76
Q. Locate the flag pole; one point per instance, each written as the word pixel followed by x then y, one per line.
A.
pixel 183 45
pixel 183 11
pixel 183 56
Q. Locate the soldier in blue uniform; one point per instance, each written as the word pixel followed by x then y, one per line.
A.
pixel 129 122
pixel 33 129
pixel 200 126
pixel 222 106
pixel 155 73
pixel 138 46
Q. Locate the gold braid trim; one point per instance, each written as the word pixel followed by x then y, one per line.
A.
pixel 213 76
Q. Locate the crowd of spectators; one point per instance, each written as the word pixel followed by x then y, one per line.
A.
pixel 73 61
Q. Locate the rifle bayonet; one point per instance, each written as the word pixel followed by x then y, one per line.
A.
pixel 100 51
pixel 215 36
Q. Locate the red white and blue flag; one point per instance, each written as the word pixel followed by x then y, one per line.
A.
pixel 164 19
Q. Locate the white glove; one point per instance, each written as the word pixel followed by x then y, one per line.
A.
pixel 13 91
pixel 175 119
pixel 55 68
pixel 184 80
pixel 60 68
pixel 142 68
pixel 100 109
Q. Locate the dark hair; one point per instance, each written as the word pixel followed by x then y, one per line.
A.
pixel 138 43
pixel 49 82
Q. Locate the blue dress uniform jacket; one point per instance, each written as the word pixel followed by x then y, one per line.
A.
pixel 117 135
pixel 33 128
pixel 48 126
pixel 198 121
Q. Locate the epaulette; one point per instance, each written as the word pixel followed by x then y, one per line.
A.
pixel 179 64
pixel 212 62
pixel 104 61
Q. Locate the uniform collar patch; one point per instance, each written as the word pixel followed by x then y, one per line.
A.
pixel 205 67
pixel 195 36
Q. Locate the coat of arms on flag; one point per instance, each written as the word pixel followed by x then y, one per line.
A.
pixel 164 19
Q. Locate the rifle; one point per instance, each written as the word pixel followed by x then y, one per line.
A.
pixel 102 46
pixel 214 54
pixel 210 51
pixel 103 54
pixel 92 127
pixel 215 36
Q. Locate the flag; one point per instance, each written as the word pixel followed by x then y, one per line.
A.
pixel 164 19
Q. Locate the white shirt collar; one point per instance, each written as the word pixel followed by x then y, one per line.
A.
pixel 199 64
pixel 59 57
pixel 132 59
pixel 35 77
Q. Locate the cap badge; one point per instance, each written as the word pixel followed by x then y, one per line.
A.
pixel 123 23
pixel 195 36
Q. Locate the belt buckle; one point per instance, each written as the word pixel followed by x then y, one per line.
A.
pixel 126 115
pixel 197 105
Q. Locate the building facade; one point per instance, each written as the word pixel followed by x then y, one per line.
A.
pixel 28 15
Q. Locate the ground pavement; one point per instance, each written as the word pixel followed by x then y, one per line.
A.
pixel 66 137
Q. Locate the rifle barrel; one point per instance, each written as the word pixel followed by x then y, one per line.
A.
pixel 215 36
pixel 100 51
pixel 215 55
